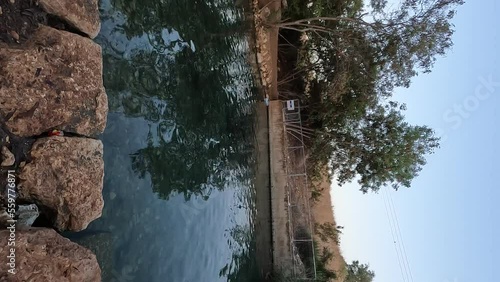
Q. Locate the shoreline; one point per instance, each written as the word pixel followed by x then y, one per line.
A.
pixel 274 256
pixel 53 107
pixel 266 40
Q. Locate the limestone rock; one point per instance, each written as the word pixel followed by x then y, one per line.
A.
pixel 43 255
pixel 54 81
pixel 65 180
pixel 81 14
pixel 7 157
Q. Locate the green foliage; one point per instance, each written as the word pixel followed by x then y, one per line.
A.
pixel 395 45
pixel 328 231
pixel 380 147
pixel 300 9
pixel 315 193
pixel 357 272
pixel 354 60
pixel 323 257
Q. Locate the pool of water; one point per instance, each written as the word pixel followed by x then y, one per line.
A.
pixel 179 144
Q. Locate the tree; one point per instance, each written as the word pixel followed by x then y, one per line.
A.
pixel 357 272
pixel 381 149
pixel 403 41
pixel 351 63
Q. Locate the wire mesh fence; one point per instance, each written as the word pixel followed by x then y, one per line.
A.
pixel 300 225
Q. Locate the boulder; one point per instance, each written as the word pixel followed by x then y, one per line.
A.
pixel 65 179
pixel 42 254
pixel 80 14
pixel 53 81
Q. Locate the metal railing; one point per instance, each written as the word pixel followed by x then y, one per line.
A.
pixel 300 224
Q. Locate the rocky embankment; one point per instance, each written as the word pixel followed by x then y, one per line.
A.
pixel 52 108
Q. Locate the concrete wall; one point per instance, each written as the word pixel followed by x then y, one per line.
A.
pixel 279 210
pixel 263 234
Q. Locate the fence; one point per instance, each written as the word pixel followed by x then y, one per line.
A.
pixel 300 226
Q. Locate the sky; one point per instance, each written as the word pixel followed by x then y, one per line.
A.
pixel 449 218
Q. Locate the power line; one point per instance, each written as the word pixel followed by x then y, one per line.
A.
pixel 400 235
pixel 396 239
pixel 404 273
pixel 399 239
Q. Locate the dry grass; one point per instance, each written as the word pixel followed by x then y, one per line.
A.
pixel 321 208
pixel 322 212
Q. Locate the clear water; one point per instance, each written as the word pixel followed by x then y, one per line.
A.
pixel 179 160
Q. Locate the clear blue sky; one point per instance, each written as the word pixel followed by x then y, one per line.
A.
pixel 450 217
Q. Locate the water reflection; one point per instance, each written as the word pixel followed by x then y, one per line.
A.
pixel 196 98
pixel 179 143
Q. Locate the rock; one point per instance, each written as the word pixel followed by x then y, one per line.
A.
pixel 53 81
pixel 7 157
pixel 43 255
pixel 65 180
pixel 81 14
pixel 26 215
